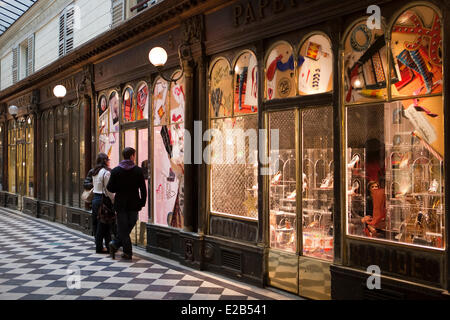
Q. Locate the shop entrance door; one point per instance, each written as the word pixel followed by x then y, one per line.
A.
pixel 301 201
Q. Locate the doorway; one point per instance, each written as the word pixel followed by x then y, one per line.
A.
pixel 301 201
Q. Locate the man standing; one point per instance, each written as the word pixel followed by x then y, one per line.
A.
pixel 128 183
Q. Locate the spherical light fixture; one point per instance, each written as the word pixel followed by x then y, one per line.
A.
pixel 13 110
pixel 157 56
pixel 60 91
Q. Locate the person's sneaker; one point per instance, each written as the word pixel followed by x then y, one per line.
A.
pixel 127 256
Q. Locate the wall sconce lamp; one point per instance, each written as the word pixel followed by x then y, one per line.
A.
pixel 60 92
pixel 158 58
pixel 13 111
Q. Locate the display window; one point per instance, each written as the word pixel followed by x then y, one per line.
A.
pixel 395 150
pixel 365 64
pixel 12 132
pixel 221 90
pixel 246 84
pixel 234 125
pixel 29 162
pixel 417 51
pixel 315 66
pixel 109 127
pixel 128 110
pixel 168 152
pixel 2 134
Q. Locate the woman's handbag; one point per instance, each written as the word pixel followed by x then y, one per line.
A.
pixel 87 195
pixel 106 213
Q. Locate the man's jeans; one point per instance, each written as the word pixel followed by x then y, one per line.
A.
pixel 126 220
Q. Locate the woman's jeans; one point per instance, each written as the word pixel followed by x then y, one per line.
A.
pixel 102 231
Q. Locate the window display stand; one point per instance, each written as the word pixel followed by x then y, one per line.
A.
pixel 356 189
pixel 414 200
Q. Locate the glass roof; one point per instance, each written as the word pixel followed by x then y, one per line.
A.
pixel 11 10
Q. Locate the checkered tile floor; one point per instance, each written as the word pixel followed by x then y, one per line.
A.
pixel 36 256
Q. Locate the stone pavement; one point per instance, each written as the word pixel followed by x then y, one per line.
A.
pixel 41 260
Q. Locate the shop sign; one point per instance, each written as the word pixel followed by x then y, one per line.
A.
pixel 23 101
pixel 396 261
pixel 252 11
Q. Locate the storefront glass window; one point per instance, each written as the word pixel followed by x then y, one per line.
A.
pixel 51 156
pixel 315 66
pixel 395 152
pixel 108 127
pixel 12 156
pixel 280 73
pixel 2 134
pixel 168 152
pixel 30 157
pixel 233 148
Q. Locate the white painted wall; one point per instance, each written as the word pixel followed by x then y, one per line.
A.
pixel 46 44
pixel 6 69
pixel 95 18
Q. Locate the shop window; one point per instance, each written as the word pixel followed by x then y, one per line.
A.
pixel 417 50
pixel 365 64
pixel 75 155
pixel 315 66
pixel 395 149
pixel 44 157
pixel 234 152
pixel 108 127
pixel 12 156
pixel 2 134
pixel 246 84
pixel 280 72
pixel 168 152
pixel 30 182
pixel 128 111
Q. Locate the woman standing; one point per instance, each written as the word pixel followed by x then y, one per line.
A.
pixel 100 177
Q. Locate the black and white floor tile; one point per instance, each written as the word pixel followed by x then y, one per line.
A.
pixel 36 258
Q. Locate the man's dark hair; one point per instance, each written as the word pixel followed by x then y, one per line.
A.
pixel 128 152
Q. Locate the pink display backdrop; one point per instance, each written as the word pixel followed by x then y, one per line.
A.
pixel 143 157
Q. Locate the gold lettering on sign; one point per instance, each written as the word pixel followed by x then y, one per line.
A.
pixel 262 8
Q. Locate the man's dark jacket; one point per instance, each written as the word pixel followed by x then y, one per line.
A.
pixel 126 182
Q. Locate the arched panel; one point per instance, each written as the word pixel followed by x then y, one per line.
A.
pixel 221 89
pixel 280 72
pixel 245 83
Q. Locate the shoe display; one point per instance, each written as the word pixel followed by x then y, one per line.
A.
pixel 355 189
pixel 276 179
pixel 327 183
pixel 433 186
pixel 355 162
pixel 292 195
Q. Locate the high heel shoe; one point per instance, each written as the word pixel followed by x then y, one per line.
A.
pixel 327 183
pixel 354 163
pixel 354 189
pixel 433 186
pixel 292 195
pixel 276 179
